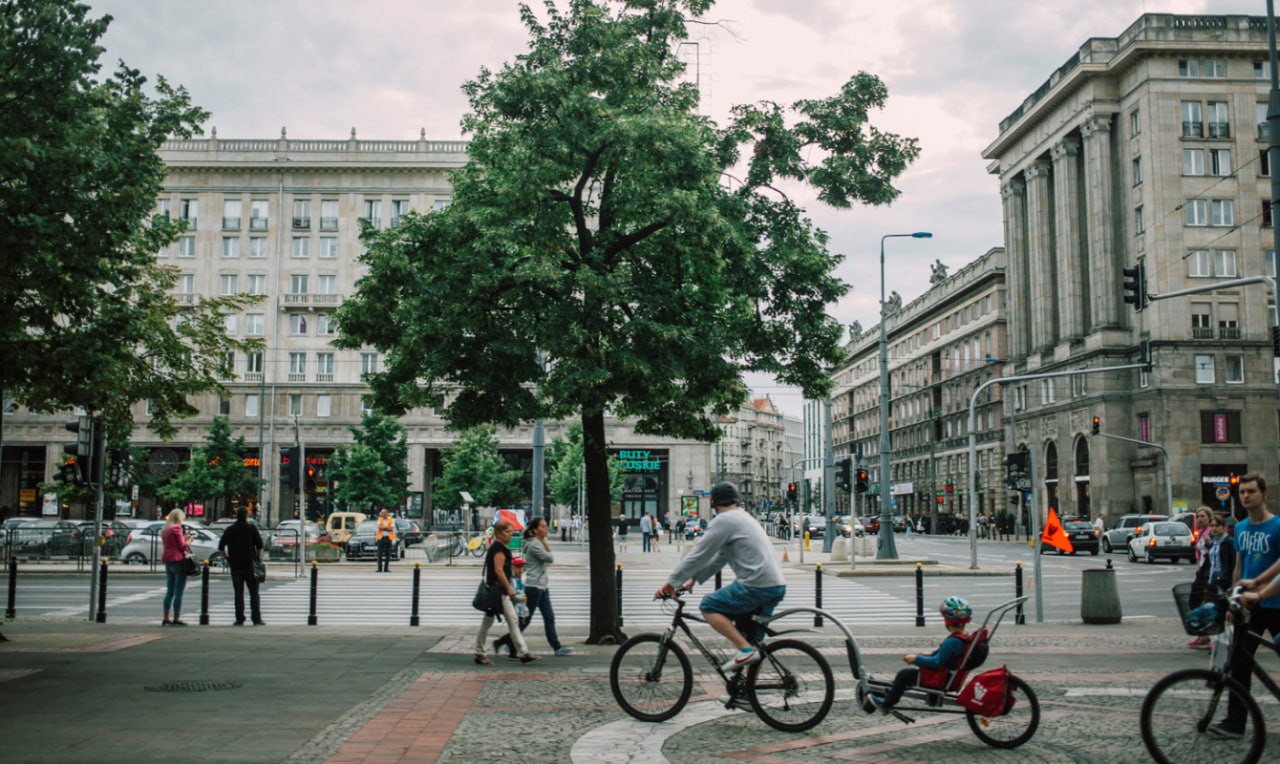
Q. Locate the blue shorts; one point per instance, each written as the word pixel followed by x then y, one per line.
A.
pixel 740 602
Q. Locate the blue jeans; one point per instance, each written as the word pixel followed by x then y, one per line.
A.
pixel 540 599
pixel 175 582
pixel 645 544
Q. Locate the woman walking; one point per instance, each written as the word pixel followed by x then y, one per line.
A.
pixel 1204 541
pixel 176 547
pixel 537 556
pixel 498 571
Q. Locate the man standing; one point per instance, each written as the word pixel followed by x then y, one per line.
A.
pixel 1257 543
pixel 386 536
pixel 736 538
pixel 241 544
pixel 646 532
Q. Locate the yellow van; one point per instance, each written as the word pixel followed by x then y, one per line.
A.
pixel 341 525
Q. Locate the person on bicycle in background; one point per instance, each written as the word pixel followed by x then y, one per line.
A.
pixel 1257 542
pixel 930 670
pixel 738 539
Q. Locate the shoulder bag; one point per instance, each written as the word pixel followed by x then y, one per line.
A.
pixel 189 565
pixel 259 570
pixel 488 598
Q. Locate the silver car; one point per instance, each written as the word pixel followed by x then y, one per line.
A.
pixel 1117 536
pixel 145 543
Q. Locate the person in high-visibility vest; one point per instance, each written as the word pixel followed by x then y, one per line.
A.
pixel 386 536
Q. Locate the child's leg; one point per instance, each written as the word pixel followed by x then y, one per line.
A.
pixel 908 677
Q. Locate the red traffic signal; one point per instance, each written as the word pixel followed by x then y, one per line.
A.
pixel 1097 425
pixel 1234 480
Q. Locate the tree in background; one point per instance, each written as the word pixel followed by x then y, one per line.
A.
pixel 374 473
pixel 650 256
pixel 473 464
pixel 87 316
pixel 564 465
pixel 215 475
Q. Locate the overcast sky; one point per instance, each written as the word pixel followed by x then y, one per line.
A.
pixel 389 68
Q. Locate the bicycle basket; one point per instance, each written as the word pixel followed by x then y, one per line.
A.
pixel 1201 608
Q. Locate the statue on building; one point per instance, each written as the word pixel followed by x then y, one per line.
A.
pixel 855 331
pixel 893 304
pixel 938 273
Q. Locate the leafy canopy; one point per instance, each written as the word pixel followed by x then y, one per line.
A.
pixel 474 464
pixel 374 473
pixel 565 473
pixel 216 471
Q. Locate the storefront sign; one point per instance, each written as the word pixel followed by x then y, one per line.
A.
pixel 1219 427
pixel 50 506
pixel 638 461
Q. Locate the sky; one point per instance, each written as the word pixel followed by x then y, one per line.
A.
pixel 391 68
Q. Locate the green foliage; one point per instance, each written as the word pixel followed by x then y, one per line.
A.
pixel 87 317
pixel 474 465
pixel 216 472
pixel 374 473
pixel 564 470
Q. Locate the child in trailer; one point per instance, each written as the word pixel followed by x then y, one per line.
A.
pixel 929 670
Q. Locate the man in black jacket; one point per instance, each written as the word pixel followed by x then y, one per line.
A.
pixel 241 544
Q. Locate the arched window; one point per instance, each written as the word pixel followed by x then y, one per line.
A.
pixel 1082 457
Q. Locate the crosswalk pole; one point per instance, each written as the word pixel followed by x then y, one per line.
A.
pixel 315 577
pixel 1020 618
pixel 204 595
pixel 417 578
pixel 9 611
pixel 817 593
pixel 919 594
pixel 102 592
pixel 618 584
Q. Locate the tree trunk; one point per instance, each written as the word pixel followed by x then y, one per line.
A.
pixel 605 626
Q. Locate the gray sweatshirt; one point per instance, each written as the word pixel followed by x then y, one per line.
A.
pixel 536 559
pixel 736 538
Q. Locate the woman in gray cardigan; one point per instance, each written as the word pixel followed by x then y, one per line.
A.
pixel 537 556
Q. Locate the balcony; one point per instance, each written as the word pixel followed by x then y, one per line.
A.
pixel 258 224
pixel 324 377
pixel 253 376
pixel 297 376
pixel 1229 332
pixel 312 301
pixel 376 222
pixel 1201 333
pixel 187 298
pixel 191 223
pixel 328 224
pixel 1192 129
pixel 1219 130
pixel 301 223
pixel 231 224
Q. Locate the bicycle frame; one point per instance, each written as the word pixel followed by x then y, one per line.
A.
pixel 1238 651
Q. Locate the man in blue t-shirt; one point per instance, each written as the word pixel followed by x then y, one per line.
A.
pixel 1257 540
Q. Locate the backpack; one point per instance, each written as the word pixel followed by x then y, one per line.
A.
pixel 988 693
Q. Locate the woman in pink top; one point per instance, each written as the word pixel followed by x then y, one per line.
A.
pixel 176 547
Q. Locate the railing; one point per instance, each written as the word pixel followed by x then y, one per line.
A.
pixel 376 222
pixel 231 224
pixel 311 300
pixel 258 224
pixel 1201 333
pixel 1219 130
pixel 253 376
pixel 301 223
pixel 1229 332
pixel 187 298
pixel 191 223
pixel 324 377
pixel 297 376
pixel 328 224
pixel 1192 129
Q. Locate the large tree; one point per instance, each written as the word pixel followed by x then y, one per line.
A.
pixel 475 465
pixel 605 225
pixel 215 474
pixel 87 316
pixel 374 473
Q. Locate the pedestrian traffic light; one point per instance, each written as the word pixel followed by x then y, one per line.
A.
pixel 1097 425
pixel 289 464
pixel 1135 285
pixel 1016 469
pixel 843 469
pixel 791 491
pixel 861 480
pixel 67 472
pixel 82 448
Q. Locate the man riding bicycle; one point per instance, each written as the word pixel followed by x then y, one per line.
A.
pixel 736 538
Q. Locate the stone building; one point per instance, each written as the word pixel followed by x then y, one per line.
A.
pixel 1148 147
pixel 753 452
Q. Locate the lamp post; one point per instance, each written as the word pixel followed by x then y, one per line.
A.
pixel 885 547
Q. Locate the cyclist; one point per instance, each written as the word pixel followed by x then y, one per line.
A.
pixel 735 538
pixel 930 670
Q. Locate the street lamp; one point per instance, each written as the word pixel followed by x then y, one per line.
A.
pixel 885 547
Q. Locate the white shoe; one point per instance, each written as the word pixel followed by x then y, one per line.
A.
pixel 741 660
pixel 738 703
pixel 564 651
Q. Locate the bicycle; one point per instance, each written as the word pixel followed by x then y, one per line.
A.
pixel 790 688
pixel 460 545
pixel 1179 709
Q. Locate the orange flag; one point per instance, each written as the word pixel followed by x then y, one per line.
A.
pixel 1053 534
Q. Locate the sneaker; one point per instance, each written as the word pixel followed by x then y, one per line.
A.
pixel 564 651
pixel 736 703
pixel 1224 730
pixel 1199 642
pixel 874 703
pixel 741 660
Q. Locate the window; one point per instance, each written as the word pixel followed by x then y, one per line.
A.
pixel 1198 264
pixel 366 405
pixel 295 404
pixel 1269 263
pixel 329 215
pixel 328 284
pixel 258 219
pixel 1204 370
pixel 324 367
pixel 301 246
pixel 442 204
pixel 1220 427
pixel 1136 166
pixel 1222 212
pixel 297 323
pixel 1262 69
pixel 325 326
pixel 1266 213
pixel 323 405
pixel 231 215
pixel 1047 392
pixel 229 324
pixel 1197 212
pixel 1144 378
pixel 1219 122
pixel 298 283
pixel 251 404
pixel 328 246
pixel 368 363
pixel 1202 67
pixel 1135 122
pixel 373 212
pixel 1229 321
pixel 1193 161
pixel 1224 263
pixel 1192 121
pixel 1139 221
pixel 187 246
pixel 1220 162
pixel 301 214
pixel 189 212
pixel 224 407
pixel 1201 324
pixel 1264 164
pixel 230 246
pixel 297 363
pixel 253 363
pixel 257 283
pixel 228 283
pixel 1261 112
pixel 254 324
pixel 399 208
pixel 186 283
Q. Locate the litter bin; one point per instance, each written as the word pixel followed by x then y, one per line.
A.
pixel 1099 596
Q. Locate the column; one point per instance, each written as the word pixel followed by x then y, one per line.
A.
pixel 1042 280
pixel 1013 193
pixel 1069 237
pixel 1104 273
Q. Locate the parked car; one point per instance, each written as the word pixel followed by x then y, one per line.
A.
pixel 340 525
pixel 816 525
pixel 409 530
pixel 142 544
pixel 849 526
pixel 363 543
pixel 29 536
pixel 694 527
pixel 1083 537
pixel 284 540
pixel 1162 540
pixel 871 524
pixel 114 536
pixel 1118 536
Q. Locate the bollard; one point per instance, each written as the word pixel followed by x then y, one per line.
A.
pixel 9 611
pixel 806 541
pixel 417 581
pixel 617 582
pixel 919 594
pixel 717 580
pixel 315 578
pixel 817 593
pixel 102 593
pixel 1020 618
pixel 204 595
pixel 1099 596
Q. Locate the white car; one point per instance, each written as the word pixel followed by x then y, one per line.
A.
pixel 1167 540
pixel 144 544
pixel 850 526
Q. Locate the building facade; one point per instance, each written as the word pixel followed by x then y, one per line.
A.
pixel 1150 148
pixel 753 452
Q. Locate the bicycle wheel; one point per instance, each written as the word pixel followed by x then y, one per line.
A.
pixel 1178 710
pixel 1014 728
pixel 791 688
pixel 477 546
pixel 651 679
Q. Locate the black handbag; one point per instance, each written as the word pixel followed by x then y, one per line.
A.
pixel 189 565
pixel 488 599
pixel 259 571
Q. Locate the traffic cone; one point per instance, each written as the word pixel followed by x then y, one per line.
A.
pixel 785 556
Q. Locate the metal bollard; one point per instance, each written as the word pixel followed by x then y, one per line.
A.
pixel 417 583
pixel 919 594
pixel 102 593
pixel 9 611
pixel 1019 618
pixel 204 594
pixel 817 593
pixel 315 578
pixel 617 583
pixel 717 580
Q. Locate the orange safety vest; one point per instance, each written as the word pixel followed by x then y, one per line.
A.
pixel 386 525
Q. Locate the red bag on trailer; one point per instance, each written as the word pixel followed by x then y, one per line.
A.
pixel 988 693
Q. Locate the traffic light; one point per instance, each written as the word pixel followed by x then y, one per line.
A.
pixel 1097 425
pixel 1016 469
pixel 938 498
pixel 1135 285
pixel 67 472
pixel 289 462
pixel 1234 480
pixel 843 469
pixel 791 491
pixel 82 448
pixel 861 477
